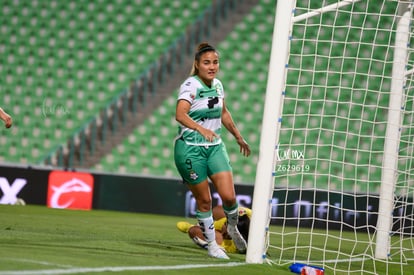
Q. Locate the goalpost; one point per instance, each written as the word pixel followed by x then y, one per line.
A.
pixel 335 175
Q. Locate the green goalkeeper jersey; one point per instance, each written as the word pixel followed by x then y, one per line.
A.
pixel 206 108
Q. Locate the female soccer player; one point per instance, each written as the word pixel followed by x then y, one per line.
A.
pixel 199 152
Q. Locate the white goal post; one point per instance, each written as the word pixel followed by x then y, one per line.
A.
pixel 336 164
pixel 263 189
pixel 392 135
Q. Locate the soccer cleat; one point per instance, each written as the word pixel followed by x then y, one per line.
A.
pixel 184 226
pixel 216 251
pixel 237 239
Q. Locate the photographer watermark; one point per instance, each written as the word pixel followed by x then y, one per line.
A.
pixel 50 109
pixel 295 159
pixel 289 154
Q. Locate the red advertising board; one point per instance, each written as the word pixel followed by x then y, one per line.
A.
pixel 70 190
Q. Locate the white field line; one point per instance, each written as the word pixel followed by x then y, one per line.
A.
pixel 113 269
pixel 35 262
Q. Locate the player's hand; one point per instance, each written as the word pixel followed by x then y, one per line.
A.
pixel 8 121
pixel 244 147
pixel 207 133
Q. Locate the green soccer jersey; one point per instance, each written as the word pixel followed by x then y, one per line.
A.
pixel 206 108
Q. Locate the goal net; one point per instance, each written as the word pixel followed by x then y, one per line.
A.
pixel 337 190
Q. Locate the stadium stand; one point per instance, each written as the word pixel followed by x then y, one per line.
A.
pixel 129 109
pixel 66 60
pixel 72 63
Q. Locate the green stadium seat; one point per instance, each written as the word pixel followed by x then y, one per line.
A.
pixel 114 42
pixel 64 38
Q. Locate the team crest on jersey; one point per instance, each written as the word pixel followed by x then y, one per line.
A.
pixel 192 96
pixel 193 175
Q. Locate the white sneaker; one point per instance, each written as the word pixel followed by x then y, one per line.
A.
pixel 216 251
pixel 238 239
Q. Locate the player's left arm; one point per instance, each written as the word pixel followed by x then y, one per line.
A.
pixel 227 121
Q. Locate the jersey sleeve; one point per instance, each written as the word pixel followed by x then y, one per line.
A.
pixel 186 92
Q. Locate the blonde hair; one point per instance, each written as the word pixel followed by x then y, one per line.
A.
pixel 201 48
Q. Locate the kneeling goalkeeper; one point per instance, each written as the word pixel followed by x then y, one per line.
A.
pixel 222 237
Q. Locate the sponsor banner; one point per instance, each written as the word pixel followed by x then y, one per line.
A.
pixel 153 195
pixel 342 211
pixel 168 196
pixel 70 190
pixel 25 184
pixel 11 190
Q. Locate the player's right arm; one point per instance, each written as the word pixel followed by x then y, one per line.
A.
pixel 181 115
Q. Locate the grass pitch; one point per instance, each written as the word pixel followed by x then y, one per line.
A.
pixel 39 240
